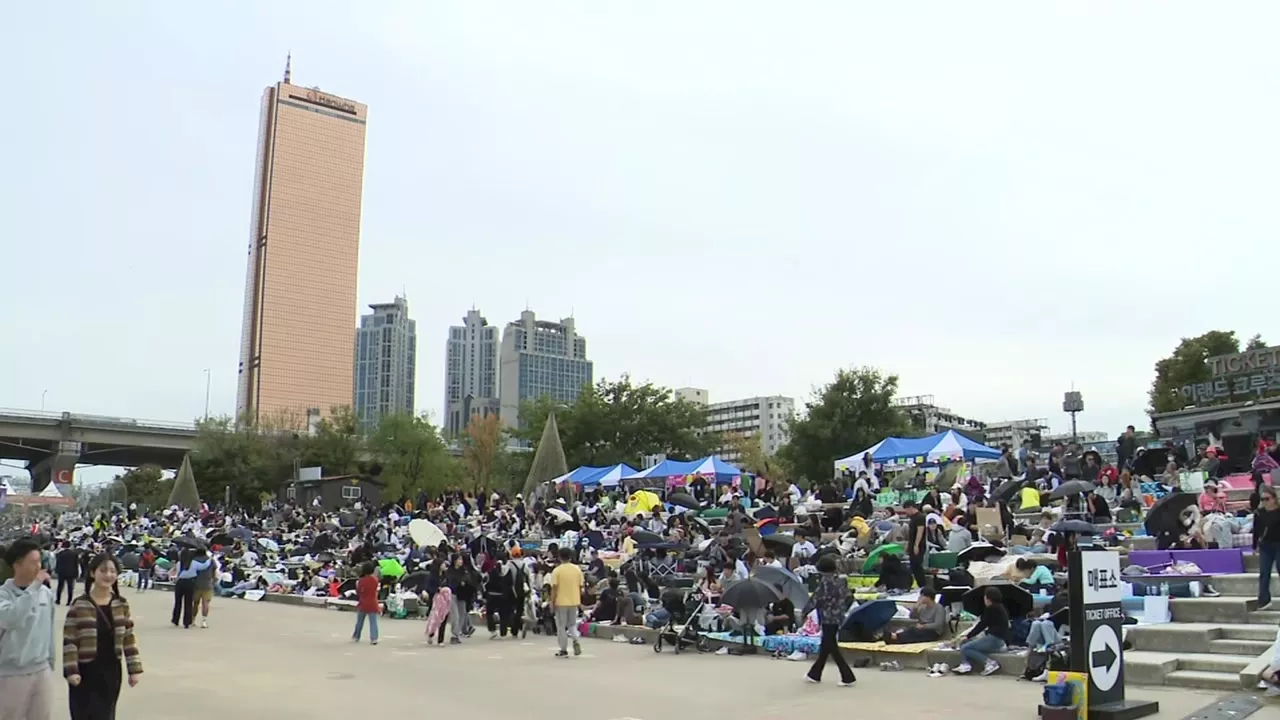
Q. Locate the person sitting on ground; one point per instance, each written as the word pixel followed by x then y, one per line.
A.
pixel 894 575
pixel 930 621
pixel 960 538
pixel 990 635
pixel 606 609
pixel 1034 576
pixel 780 617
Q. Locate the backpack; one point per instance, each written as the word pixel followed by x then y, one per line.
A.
pixel 1037 664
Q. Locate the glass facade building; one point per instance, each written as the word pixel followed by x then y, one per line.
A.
pixel 541 358
pixel 471 373
pixel 385 363
pixel 300 289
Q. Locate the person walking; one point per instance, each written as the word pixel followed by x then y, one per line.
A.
pixel 66 565
pixel 27 652
pixel 97 636
pixel 184 587
pixel 566 597
pixel 146 566
pixel 830 599
pixel 1266 542
pixel 366 604
pixel 203 596
pixel 462 590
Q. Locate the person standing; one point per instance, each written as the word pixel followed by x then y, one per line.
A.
pixel 146 566
pixel 830 599
pixel 66 565
pixel 566 597
pixel 184 588
pixel 366 604
pixel 97 636
pixel 916 547
pixel 27 653
pixel 203 595
pixel 1266 542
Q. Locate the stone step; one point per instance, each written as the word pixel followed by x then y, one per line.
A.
pixel 1173 637
pixel 1220 609
pixel 1203 679
pixel 1231 646
pixel 1264 617
pixel 1144 667
pixel 1258 631
pixel 1252 562
pixel 1212 662
pixel 1242 584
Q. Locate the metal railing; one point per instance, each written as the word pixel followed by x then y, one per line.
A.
pixel 96 420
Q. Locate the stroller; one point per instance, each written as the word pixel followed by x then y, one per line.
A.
pixel 682 606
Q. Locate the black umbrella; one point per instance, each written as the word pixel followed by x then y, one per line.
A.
pixel 979 552
pixel 1171 514
pixel 1074 526
pixel 191 542
pixel 751 594
pixel 645 537
pixel 130 561
pixel 703 524
pixel 763 513
pixel 222 539
pixel 787 583
pixel 1071 488
pixel 684 500
pixel 240 533
pixel 779 543
pixel 1007 490
pixel 324 557
pixel 1015 599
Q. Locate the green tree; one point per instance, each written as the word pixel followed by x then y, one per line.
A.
pixel 413 456
pixel 1186 366
pixel 613 422
pixel 751 457
pixel 336 445
pixel 251 461
pixel 852 412
pixel 145 485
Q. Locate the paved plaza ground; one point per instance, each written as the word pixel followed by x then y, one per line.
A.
pixel 261 660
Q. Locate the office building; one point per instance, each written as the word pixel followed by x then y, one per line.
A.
pixel 697 396
pixel 1014 432
pixel 470 373
pixel 385 363
pixel 928 418
pixel 300 291
pixel 541 358
pixel 763 417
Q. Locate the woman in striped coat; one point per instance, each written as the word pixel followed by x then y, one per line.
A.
pixel 97 635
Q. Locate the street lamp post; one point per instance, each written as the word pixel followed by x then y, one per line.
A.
pixel 42 394
pixel 207 381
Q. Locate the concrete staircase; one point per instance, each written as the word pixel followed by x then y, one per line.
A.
pixel 1213 643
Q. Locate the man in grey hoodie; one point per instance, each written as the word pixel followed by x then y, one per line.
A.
pixel 27 650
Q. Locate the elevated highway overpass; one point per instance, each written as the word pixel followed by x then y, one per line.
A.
pixel 52 444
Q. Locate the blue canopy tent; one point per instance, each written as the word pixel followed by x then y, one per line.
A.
pixel 608 476
pixel 943 447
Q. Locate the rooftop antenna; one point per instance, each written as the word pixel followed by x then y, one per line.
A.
pixel 288 61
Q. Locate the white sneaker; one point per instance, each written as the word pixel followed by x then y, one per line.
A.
pixel 620 638
pixel 1272 692
pixel 963 669
pixel 797 655
pixel 204 624
pixel 847 684
pixel 991 667
pixel 944 668
pixel 724 650
pixel 810 680
pixel 493 636
pixel 1042 677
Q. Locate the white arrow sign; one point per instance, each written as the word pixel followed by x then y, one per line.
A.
pixel 1104 657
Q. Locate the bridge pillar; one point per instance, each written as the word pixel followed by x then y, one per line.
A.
pixel 58 467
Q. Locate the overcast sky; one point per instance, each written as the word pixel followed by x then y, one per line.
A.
pixel 993 200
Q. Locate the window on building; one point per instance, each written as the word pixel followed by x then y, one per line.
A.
pixel 291 492
pixel 351 492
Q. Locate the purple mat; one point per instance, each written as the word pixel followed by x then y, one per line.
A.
pixel 1210 562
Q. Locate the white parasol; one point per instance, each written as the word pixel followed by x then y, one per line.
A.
pixel 425 533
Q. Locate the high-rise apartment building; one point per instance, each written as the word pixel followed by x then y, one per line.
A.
pixel 471 373
pixel 541 358
pixel 762 417
pixel 385 363
pixel 300 292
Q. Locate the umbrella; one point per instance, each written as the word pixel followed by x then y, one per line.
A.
pixel 391 568
pixel 130 561
pixel 560 515
pixel 1071 488
pixel 751 594
pixel 791 586
pixel 869 564
pixel 191 542
pixel 425 533
pixel 762 513
pixel 324 557
pixel 1074 526
pixel 684 500
pixel 703 524
pixel 222 539
pixel 268 544
pixel 979 552
pixel 779 543
pixel 1007 490
pixel 1172 513
pixel 870 615
pixel 240 533
pixel 1015 599
pixel 644 536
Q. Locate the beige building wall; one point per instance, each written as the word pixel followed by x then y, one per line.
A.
pixel 300 311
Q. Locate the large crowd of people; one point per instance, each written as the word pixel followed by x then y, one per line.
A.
pixel 670 558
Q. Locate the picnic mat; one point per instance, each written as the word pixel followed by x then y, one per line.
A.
pixel 775 643
pixel 880 646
